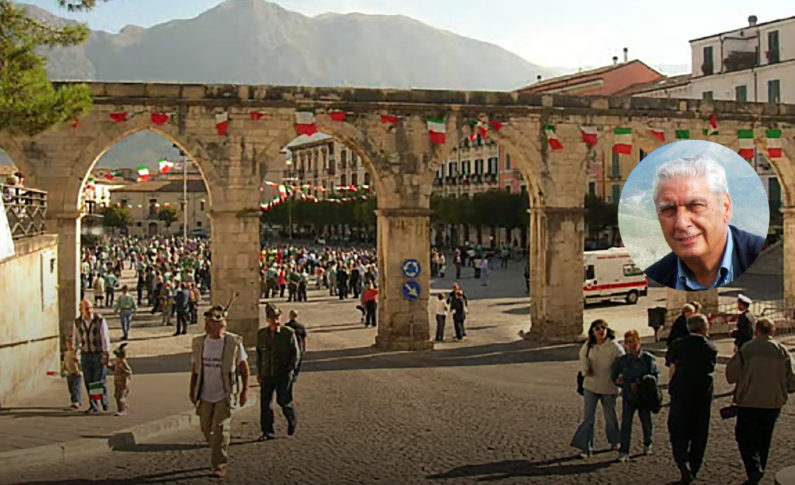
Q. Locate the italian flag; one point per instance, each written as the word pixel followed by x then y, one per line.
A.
pixel 552 137
pixel 389 119
pixel 712 127
pixel 256 115
pixel 682 134
pixel 657 133
pixel 222 123
pixel 143 173
pixel 496 125
pixel 438 132
pixel 159 119
pixel 305 123
pixel 622 143
pixel 282 192
pixel 119 116
pixel 338 116
pixel 90 184
pixel 589 135
pixel 479 127
pixel 746 143
pixel 96 390
pixel 773 143
pixel 165 166
pixel 112 175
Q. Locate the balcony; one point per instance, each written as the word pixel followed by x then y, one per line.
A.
pixel 739 60
pixel 26 210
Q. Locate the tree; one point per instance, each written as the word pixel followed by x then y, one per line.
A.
pixel 599 215
pixel 167 214
pixel 29 103
pixel 117 217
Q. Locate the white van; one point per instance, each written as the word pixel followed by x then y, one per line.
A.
pixel 609 274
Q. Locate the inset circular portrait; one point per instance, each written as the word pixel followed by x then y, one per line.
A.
pixel 693 215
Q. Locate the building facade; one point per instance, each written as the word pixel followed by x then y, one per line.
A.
pixel 321 161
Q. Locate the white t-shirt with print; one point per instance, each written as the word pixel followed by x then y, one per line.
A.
pixel 212 378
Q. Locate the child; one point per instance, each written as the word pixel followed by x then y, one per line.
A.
pixel 70 367
pixel 122 374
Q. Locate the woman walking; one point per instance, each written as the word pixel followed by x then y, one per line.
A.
pixel 597 357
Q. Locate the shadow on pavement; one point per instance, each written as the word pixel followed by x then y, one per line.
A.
pixel 165 477
pixel 502 470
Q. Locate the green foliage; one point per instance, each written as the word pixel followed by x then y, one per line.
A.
pixel 491 208
pixel 78 5
pixel 119 217
pixel 599 214
pixel 167 215
pixel 29 103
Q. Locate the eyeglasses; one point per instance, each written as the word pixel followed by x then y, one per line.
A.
pixel 599 328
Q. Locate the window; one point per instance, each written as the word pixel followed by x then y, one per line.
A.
pixel 589 272
pixel 706 96
pixel 641 155
pixel 507 188
pixel 343 179
pixel 355 179
pixel 523 189
pixel 138 224
pixel 494 165
pixel 772 47
pixel 479 166
pixel 592 188
pixel 466 167
pixel 616 166
pixel 152 208
pixel 774 91
pixel 198 223
pixel 343 158
pixel 616 193
pixel 182 206
pixel 708 67
pixel 453 169
pixel 631 270
pixel 741 93
pixel 367 179
pixel 507 161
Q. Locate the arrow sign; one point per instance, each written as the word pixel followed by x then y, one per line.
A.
pixel 411 290
pixel 411 268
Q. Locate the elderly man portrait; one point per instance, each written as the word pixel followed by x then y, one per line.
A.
pixel 694 208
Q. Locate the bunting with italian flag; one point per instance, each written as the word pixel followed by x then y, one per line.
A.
pixel 143 174
pixel 682 134
pixel 552 137
pixel 746 143
pixel 338 116
pixel 165 166
pixel 222 123
pixel 119 116
pixel 437 131
pixel 589 135
pixel 95 391
pixel 712 126
pixel 256 115
pixel 479 128
pixel 389 119
pixel 159 119
pixel 657 133
pixel 112 175
pixel 622 144
pixel 305 123
pixel 496 125
pixel 773 143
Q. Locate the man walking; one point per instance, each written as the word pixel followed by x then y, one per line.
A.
pixel 182 302
pixel 215 359
pixel 91 337
pixel 277 356
pixel 126 307
pixel 763 372
pixel 745 323
pixel 300 335
pixel 692 360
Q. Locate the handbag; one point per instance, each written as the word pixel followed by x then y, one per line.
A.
pixel 581 377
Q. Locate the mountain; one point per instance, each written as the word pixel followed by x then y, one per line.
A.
pixel 257 42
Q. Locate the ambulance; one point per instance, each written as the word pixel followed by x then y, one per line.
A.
pixel 610 274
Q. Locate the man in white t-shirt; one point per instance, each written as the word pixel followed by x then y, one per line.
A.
pixel 214 388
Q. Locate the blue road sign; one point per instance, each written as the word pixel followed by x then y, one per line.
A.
pixel 411 268
pixel 411 290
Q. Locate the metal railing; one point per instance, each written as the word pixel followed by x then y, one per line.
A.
pixel 26 210
pixel 779 312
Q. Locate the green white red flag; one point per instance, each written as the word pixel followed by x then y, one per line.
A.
pixel 746 138
pixel 712 126
pixel 96 390
pixel 165 166
pixel 657 133
pixel 552 137
pixel 222 123
pixel 479 128
pixel 589 135
pixel 389 119
pixel 159 119
pixel 143 174
pixel 437 131
pixel 338 116
pixel 119 116
pixel 773 143
pixel 682 134
pixel 622 143
pixel 305 123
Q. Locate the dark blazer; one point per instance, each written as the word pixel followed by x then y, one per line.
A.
pixel 745 328
pixel 276 357
pixel 695 359
pixel 747 247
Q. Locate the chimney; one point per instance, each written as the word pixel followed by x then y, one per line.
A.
pixel 626 53
pixel 752 20
pixel 615 60
pixel 538 78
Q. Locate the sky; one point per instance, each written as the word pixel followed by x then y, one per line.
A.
pixel 572 34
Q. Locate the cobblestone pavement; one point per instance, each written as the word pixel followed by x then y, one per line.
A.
pixel 490 409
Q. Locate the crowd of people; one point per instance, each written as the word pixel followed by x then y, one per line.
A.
pixel 761 369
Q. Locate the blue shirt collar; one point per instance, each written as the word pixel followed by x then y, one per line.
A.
pixel 686 281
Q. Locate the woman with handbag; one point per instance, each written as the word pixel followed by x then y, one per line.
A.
pixel 597 357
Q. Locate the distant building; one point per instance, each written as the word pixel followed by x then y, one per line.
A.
pixel 603 81
pixel 145 200
pixel 322 161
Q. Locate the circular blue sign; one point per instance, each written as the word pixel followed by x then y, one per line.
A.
pixel 411 268
pixel 411 290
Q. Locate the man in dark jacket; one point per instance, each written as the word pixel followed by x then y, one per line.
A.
pixel 692 360
pixel 182 305
pixel 300 335
pixel 277 356
pixel 745 324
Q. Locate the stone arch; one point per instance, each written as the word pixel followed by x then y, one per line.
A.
pixel 17 156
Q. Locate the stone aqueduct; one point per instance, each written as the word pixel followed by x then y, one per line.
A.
pixel 403 163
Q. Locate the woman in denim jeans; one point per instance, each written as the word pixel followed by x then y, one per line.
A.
pixel 597 357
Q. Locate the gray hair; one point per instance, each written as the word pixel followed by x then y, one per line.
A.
pixel 699 166
pixel 697 323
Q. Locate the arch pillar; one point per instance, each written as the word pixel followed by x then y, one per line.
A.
pixel 557 240
pixel 66 224
pixel 788 214
pixel 403 234
pixel 235 261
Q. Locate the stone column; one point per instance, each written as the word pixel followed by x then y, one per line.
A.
pixel 402 324
pixel 67 226
pixel 557 240
pixel 789 255
pixel 235 268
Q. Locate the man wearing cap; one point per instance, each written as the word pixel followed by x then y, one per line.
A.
pixel 215 359
pixel 277 356
pixel 745 323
